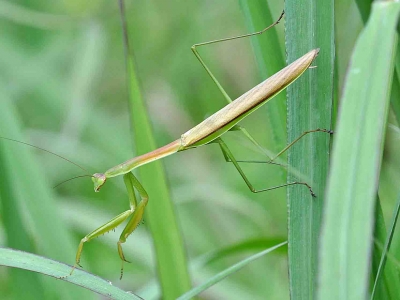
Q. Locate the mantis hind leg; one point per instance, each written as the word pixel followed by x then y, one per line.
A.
pixel 229 156
pixel 135 213
pixel 271 158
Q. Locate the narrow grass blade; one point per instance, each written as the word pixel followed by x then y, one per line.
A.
pixel 379 237
pixel 160 215
pixel 35 263
pixel 395 94
pixel 239 248
pixel 270 60
pixel 309 24
pixel 217 278
pixel 392 283
pixel 349 212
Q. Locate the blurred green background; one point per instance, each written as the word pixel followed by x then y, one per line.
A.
pixel 62 75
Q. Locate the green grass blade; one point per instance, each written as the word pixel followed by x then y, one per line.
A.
pixel 270 60
pixel 217 278
pixel 12 219
pixel 239 248
pixel 349 213
pixel 386 284
pixel 395 94
pixel 379 237
pixel 384 278
pixel 309 24
pixel 393 282
pixel 32 221
pixel 395 100
pixel 364 6
pixel 160 215
pixel 35 263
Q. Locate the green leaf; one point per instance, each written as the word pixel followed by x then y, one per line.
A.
pixel 364 6
pixel 309 24
pixel 217 278
pixel 160 215
pixel 28 261
pixel 346 238
pixel 270 60
pixel 387 280
pixel 248 245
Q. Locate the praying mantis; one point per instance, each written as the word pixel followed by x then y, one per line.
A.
pixel 207 132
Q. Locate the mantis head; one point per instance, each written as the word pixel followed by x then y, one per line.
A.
pixel 98 179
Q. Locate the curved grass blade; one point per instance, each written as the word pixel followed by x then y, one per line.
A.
pixel 349 213
pixel 309 24
pixel 35 263
pixel 160 215
pixel 217 278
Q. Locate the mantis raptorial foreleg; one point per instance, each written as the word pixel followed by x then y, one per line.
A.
pixel 131 182
pixel 135 212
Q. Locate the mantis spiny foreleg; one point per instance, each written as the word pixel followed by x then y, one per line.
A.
pixel 135 212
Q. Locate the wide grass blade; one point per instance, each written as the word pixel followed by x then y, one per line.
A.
pixel 160 215
pixel 364 8
pixel 31 262
pixel 220 276
pixel 309 24
pixel 386 283
pixel 346 240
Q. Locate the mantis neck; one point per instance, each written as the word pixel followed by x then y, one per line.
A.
pixel 138 161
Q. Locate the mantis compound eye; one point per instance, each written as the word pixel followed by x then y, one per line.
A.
pixel 98 179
